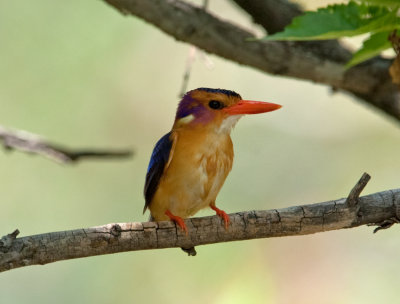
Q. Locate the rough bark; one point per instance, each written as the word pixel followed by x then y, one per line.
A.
pixel 34 144
pixel 309 61
pixel 382 208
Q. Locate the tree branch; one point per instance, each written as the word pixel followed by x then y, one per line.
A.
pixel 382 208
pixel 354 194
pixel 272 15
pixel 34 144
pixel 309 61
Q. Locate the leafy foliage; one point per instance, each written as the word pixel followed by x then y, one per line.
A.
pixel 376 17
pixel 390 3
pixel 372 46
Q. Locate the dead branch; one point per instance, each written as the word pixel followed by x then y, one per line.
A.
pixel 382 208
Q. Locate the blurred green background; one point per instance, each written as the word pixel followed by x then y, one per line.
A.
pixel 81 74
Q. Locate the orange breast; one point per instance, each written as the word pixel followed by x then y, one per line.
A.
pixel 197 170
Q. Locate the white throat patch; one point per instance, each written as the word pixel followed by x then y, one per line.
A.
pixel 228 123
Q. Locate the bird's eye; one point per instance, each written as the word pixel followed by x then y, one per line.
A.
pixel 215 104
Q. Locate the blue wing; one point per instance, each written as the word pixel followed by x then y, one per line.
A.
pixel 159 158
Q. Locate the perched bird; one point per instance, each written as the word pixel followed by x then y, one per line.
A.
pixel 189 164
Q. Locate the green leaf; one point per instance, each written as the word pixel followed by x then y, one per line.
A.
pixel 390 3
pixel 339 20
pixel 372 47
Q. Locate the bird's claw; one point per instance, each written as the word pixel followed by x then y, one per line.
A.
pixel 178 220
pixel 222 214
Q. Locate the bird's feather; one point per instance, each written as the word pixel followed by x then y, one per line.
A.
pixel 159 161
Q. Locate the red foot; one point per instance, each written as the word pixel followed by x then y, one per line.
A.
pixel 222 214
pixel 178 220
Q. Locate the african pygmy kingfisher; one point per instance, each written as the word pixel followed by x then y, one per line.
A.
pixel 189 164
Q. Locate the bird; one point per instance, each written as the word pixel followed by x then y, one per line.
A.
pixel 189 164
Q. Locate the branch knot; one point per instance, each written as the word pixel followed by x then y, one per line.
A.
pixel 7 240
pixel 116 230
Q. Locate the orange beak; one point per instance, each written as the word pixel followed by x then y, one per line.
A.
pixel 251 107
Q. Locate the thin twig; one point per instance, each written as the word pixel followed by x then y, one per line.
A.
pixel 385 224
pixel 188 68
pixel 189 62
pixel 34 144
pixel 354 194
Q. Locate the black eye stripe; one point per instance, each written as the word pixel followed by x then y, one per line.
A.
pixel 216 105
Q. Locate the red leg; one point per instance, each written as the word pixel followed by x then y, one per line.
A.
pixel 178 220
pixel 222 214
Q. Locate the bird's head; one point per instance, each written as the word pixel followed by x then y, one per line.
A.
pixel 216 108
